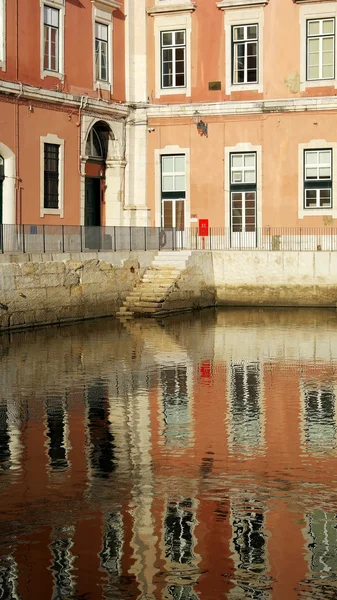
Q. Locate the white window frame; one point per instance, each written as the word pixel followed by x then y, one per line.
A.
pixel 243 148
pixel 245 42
pixel 317 212
pixel 172 22
pixel 103 14
pixel 317 165
pixel 320 38
pixel 311 12
pixel 172 151
pixel 52 139
pixel 173 47
pixel 3 35
pixel 101 42
pixel 241 17
pixel 60 6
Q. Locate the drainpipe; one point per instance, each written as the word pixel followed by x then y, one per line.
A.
pixel 18 208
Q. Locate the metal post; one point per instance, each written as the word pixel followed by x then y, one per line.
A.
pixel 62 238
pixel 145 240
pixel 44 239
pixel 2 238
pixel 130 238
pixel 210 238
pixel 114 238
pixel 300 239
pixel 23 240
pixel 81 239
pixel 99 238
pixel 173 238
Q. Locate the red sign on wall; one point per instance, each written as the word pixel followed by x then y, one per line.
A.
pixel 203 227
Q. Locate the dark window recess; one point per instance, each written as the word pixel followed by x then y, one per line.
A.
pixel 51 176
pixel 214 85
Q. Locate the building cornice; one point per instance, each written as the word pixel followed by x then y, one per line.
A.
pixel 225 4
pixel 214 109
pixel 28 92
pixel 109 5
pixel 187 6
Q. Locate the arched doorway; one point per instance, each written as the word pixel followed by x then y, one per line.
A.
pixel 2 177
pixel 96 151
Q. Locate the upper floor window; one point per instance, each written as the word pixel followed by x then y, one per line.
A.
pixel 245 54
pixel 318 178
pixel 101 52
pixel 51 38
pixel 51 176
pixel 320 49
pixel 2 32
pixel 173 59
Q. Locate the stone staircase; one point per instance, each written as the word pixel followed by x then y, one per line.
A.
pixel 149 294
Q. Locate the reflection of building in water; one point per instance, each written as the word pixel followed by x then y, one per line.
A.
pixel 321 536
pixel 62 565
pixel 57 431
pixel 249 545
pixel 246 417
pixel 113 538
pixel 176 408
pixel 319 417
pixel 101 439
pixel 8 578
pixel 10 425
pixel 4 438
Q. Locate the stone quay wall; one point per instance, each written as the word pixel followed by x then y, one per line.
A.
pixel 43 289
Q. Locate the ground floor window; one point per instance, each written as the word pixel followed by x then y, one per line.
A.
pixel 318 178
pixel 173 191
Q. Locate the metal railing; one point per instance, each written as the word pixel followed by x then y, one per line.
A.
pixel 74 238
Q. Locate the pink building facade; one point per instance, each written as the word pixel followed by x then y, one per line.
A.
pixel 164 112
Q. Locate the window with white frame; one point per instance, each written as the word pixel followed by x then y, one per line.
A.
pixel 245 54
pixel 2 31
pixel 318 178
pixel 101 52
pixel 173 173
pixel 51 26
pixel 173 59
pixel 320 49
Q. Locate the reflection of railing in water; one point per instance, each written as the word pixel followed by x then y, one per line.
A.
pixel 78 238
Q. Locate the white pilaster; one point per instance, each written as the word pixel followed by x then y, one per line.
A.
pixel 114 178
pixel 135 50
pixel 136 170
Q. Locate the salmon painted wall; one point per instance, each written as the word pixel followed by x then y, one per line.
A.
pixel 24 57
pixel 279 135
pixel 281 55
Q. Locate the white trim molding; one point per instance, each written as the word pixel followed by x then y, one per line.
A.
pixel 60 6
pixel 171 150
pixel 244 16
pixel 3 35
pixel 317 212
pixel 102 13
pixel 225 4
pixel 52 139
pixel 172 22
pixel 243 147
pixel 171 6
pixel 315 10
pixel 8 186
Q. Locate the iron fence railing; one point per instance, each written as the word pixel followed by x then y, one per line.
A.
pixel 68 238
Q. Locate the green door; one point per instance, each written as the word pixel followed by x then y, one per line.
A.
pixel 92 212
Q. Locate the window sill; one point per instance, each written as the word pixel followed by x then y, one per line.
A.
pixel 318 83
pixel 109 5
pixel 245 87
pixel 173 92
pixel 56 74
pixel 51 211
pixel 240 3
pixel 316 212
pixel 103 85
pixel 187 6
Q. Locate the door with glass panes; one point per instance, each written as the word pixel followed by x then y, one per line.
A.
pixel 243 199
pixel 173 192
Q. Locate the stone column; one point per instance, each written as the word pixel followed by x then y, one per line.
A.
pixel 136 172
pixel 114 180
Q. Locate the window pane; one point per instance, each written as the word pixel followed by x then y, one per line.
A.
pixel 167 164
pixel 310 198
pixel 249 160
pixel 327 72
pixel 311 158
pixel 252 49
pixel 167 80
pixel 313 72
pixel 180 54
pixel 167 38
pixel 179 164
pixel 179 183
pixel 311 173
pixel 180 217
pixel 168 214
pixel 251 32
pixel 167 55
pixel 249 176
pixel 324 173
pixel 167 183
pixel 237 177
pixel 328 26
pixel 325 198
pixel 237 160
pixel 327 44
pixel 324 157
pixel 239 34
pixel 313 27
pixel 180 37
pixel 313 45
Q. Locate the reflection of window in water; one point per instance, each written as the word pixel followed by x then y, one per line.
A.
pixel 8 578
pixel 323 545
pixel 62 568
pixel 182 592
pixel 246 425
pixel 249 543
pixel 102 448
pixel 175 403
pixel 111 554
pixel 56 432
pixel 5 453
pixel 319 419
pixel 179 532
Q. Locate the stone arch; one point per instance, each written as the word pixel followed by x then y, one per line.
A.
pixel 8 185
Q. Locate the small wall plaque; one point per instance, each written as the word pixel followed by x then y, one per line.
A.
pixel 214 85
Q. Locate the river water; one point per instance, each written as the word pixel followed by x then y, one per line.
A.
pixel 194 458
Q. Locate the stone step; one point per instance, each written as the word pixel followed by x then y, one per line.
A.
pixel 144 310
pixel 124 313
pixel 143 304
pixel 145 298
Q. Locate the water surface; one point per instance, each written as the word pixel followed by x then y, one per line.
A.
pixel 183 460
